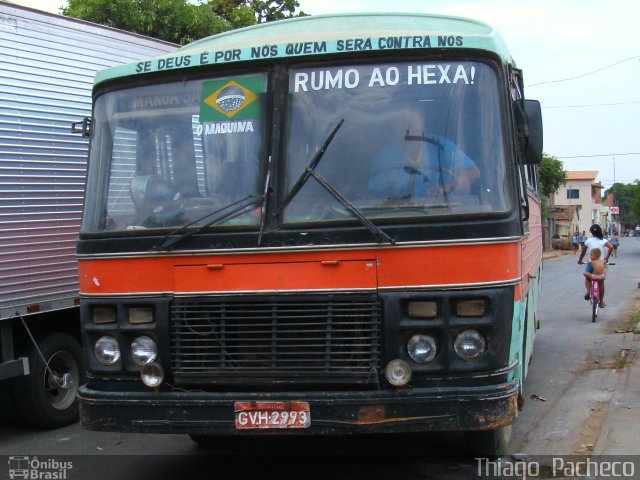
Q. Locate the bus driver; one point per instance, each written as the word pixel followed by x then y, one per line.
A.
pixel 424 165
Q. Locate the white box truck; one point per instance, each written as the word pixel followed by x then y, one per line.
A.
pixel 47 66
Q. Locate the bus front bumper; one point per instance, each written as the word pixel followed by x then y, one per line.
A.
pixel 386 411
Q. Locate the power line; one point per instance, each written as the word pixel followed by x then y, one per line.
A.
pixel 584 74
pixel 601 155
pixel 596 105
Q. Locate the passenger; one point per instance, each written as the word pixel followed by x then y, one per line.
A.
pixel 596 266
pixel 424 165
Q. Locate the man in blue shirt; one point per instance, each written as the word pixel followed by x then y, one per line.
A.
pixel 422 166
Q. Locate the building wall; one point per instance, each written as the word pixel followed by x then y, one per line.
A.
pixel 589 213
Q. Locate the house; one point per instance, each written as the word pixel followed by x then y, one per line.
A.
pixel 566 220
pixel 582 192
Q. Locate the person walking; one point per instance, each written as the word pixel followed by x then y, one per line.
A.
pixel 583 238
pixel 615 241
pixel 574 242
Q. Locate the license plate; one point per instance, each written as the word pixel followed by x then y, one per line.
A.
pixel 259 415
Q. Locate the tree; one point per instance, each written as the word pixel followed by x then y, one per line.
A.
pixel 635 205
pixel 552 175
pixel 179 21
pixel 627 197
pixel 264 11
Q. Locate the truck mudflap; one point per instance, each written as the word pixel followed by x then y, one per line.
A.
pixel 215 413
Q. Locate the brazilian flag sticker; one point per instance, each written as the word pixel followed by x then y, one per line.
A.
pixel 231 99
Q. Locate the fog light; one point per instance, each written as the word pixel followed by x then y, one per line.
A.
pixel 422 348
pixel 471 308
pixel 100 315
pixel 138 315
pixel 106 351
pixel 422 309
pixel 469 345
pixel 398 373
pixel 144 350
pixel 152 375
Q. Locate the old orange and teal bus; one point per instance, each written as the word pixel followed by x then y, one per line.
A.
pixel 315 226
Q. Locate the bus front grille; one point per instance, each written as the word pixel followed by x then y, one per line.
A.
pixel 335 338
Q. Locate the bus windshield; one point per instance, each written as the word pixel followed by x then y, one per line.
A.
pixel 418 140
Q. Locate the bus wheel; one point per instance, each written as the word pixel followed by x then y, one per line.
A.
pixel 488 443
pixel 44 402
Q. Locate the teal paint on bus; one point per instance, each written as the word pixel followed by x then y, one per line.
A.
pixel 324 35
pixel 523 329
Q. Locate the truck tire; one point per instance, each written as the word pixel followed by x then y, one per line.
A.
pixel 39 400
pixel 8 411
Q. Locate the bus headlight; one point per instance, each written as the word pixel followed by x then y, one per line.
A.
pixel 144 350
pixel 152 375
pixel 469 345
pixel 422 348
pixel 106 351
pixel 398 373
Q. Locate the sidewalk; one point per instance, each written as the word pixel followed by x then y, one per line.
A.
pixel 619 432
pixel 551 254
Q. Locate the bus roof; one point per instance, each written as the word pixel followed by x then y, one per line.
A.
pixel 323 35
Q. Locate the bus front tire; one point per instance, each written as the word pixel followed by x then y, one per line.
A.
pixel 488 443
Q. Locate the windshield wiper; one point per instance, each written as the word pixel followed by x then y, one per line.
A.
pixel 167 242
pixel 378 233
pixel 265 201
pixel 310 168
pixel 309 171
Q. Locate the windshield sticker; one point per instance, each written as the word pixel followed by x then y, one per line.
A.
pixel 224 128
pixel 383 77
pixel 226 99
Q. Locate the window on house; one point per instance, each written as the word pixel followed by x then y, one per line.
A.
pixel 573 193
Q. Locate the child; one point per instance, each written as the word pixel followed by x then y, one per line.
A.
pixel 596 266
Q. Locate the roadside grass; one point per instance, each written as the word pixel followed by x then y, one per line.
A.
pixel 626 356
pixel 633 321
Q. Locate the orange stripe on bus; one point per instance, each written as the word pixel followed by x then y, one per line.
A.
pixel 346 269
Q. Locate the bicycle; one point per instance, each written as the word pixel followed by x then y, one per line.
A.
pixel 594 295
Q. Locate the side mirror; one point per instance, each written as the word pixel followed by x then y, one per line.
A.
pixel 83 127
pixel 533 152
pixel 529 128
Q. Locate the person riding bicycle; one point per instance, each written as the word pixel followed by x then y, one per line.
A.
pixel 596 241
pixel 598 267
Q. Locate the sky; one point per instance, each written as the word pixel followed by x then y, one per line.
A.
pixel 581 60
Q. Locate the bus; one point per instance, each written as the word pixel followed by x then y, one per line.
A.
pixel 323 225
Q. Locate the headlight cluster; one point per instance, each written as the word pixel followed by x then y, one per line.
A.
pixel 468 345
pixel 423 348
pixel 107 351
